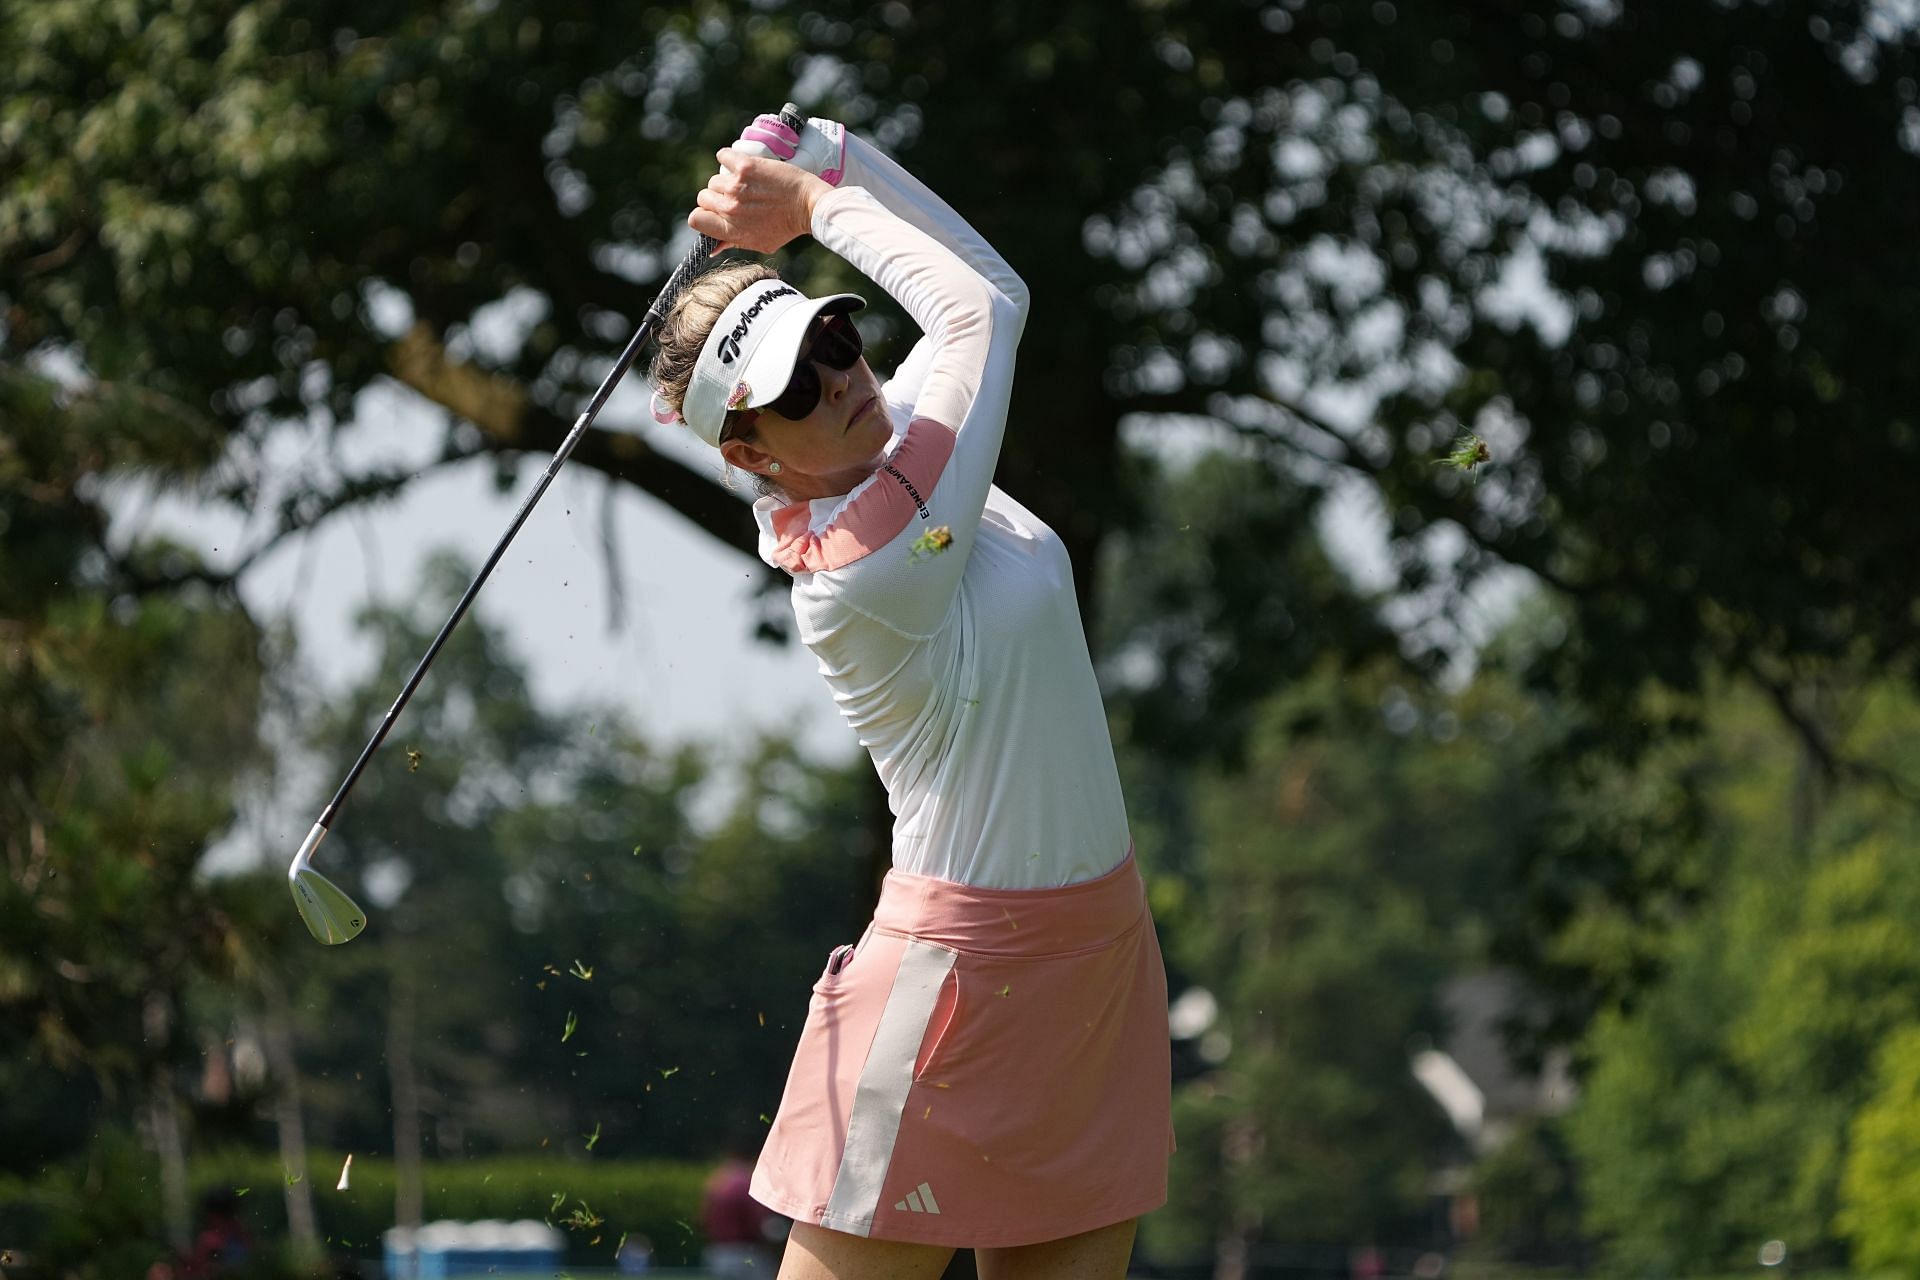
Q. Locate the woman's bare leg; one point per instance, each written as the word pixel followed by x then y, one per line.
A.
pixel 815 1253
pixel 1092 1255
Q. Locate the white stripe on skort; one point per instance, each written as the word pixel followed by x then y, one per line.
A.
pixel 881 1096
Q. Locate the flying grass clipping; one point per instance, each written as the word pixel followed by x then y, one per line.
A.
pixel 1469 451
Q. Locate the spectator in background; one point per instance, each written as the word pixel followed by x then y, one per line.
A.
pixel 736 1225
pixel 222 1245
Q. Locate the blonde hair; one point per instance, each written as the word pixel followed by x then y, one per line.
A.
pixel 684 331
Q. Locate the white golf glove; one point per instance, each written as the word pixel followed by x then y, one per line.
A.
pixel 819 146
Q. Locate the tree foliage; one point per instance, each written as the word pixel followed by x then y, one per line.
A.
pixel 1879 1213
pixel 1337 883
pixel 572 930
pixel 126 727
pixel 1749 1063
pixel 1218 600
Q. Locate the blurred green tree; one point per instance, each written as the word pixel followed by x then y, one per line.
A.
pixel 1330 840
pixel 1879 1212
pixel 1341 879
pixel 555 954
pixel 1526 1196
pixel 1719 1104
pixel 1219 599
pixel 127 727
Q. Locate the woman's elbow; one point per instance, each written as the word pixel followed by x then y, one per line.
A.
pixel 1015 291
pixel 1010 308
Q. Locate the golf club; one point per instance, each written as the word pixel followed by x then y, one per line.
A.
pixel 330 913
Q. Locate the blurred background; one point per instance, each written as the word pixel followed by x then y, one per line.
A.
pixel 1532 844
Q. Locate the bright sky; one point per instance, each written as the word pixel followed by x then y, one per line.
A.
pixel 681 662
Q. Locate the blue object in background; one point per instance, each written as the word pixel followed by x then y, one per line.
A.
pixel 440 1249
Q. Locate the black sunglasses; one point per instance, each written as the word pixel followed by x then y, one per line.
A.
pixel 832 341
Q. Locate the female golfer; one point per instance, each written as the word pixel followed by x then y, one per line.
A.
pixel 988 1067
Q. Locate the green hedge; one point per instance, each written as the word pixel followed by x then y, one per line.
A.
pixel 659 1200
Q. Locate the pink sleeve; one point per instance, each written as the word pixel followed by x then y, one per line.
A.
pixel 938 479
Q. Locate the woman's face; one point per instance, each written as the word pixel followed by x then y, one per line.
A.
pixel 829 451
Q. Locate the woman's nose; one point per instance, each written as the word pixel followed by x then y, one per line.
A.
pixel 834 382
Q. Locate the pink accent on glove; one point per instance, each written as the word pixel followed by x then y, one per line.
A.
pixel 663 413
pixel 820 146
pixel 772 133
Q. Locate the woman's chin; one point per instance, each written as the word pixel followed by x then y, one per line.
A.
pixel 876 430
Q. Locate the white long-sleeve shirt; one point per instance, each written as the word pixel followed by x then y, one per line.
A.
pixel 963 668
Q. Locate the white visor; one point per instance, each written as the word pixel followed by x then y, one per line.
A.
pixel 748 358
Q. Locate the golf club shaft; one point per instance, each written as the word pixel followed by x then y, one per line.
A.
pixel 688 268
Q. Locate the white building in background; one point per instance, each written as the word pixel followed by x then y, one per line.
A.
pixel 1471 1073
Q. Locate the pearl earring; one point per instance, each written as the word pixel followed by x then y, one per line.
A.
pixel 774 467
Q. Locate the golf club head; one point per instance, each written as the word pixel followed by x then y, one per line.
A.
pixel 331 916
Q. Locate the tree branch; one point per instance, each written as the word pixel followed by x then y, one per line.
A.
pixel 58 256
pixel 504 413
pixel 495 404
pixel 1201 402
pixel 1826 757
pixel 298 513
pixel 509 424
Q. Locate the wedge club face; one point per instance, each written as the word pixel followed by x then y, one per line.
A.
pixel 332 917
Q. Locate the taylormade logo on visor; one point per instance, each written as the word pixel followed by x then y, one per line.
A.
pixel 730 345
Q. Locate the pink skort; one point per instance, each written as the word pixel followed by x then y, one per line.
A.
pixel 986 1068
